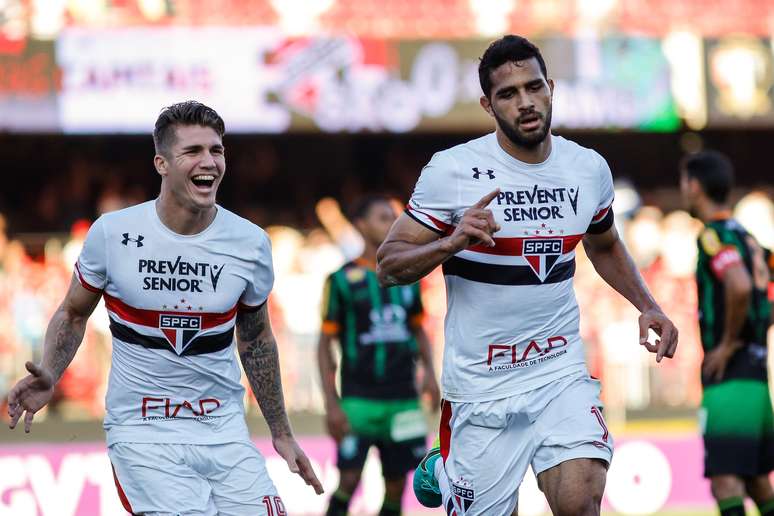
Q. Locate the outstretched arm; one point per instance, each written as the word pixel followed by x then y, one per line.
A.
pixel 260 359
pixel 411 251
pixel 614 264
pixel 63 337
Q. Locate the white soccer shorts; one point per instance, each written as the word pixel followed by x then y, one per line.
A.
pixel 487 446
pixel 186 479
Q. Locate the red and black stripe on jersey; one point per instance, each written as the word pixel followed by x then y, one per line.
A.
pixel 509 274
pixel 602 221
pixel 143 318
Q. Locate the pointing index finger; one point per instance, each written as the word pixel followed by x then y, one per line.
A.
pixel 485 200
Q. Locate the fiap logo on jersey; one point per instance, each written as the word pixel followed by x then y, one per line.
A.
pixel 542 254
pixel 180 330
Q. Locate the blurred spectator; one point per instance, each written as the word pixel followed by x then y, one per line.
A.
pixel 643 236
pixel 755 212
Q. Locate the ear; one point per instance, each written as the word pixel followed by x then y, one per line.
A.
pixel 486 104
pixel 694 186
pixel 160 162
pixel 551 87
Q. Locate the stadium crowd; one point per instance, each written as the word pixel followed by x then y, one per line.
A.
pixel 663 245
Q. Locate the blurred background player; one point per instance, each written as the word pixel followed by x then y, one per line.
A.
pixel 515 384
pixel 180 276
pixel 732 276
pixel 379 330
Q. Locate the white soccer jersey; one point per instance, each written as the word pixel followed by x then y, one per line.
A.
pixel 512 320
pixel 172 301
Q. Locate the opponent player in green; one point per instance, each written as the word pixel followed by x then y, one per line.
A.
pixel 734 315
pixel 381 336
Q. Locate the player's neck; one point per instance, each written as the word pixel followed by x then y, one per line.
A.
pixel 368 258
pixel 709 211
pixel 532 155
pixel 180 219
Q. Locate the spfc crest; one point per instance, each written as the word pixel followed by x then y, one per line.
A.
pixel 541 255
pixel 180 330
pixel 464 495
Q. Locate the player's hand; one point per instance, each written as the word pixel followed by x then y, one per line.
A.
pixel 476 226
pixel 666 345
pixel 715 361
pixel 431 390
pixel 337 422
pixel 298 463
pixel 29 395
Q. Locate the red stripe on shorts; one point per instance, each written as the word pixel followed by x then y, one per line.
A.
pixel 121 494
pixel 444 431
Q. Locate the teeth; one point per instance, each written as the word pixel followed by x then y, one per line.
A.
pixel 205 177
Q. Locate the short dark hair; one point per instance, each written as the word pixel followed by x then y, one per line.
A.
pixel 505 50
pixel 360 208
pixel 714 172
pixel 189 112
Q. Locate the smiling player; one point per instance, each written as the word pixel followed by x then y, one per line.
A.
pixel 180 276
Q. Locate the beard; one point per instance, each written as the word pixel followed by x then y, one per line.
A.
pixel 521 139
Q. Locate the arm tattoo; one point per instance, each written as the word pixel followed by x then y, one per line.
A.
pixel 258 352
pixel 67 334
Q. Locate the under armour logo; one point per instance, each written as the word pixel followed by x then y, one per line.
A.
pixel 477 173
pixel 137 241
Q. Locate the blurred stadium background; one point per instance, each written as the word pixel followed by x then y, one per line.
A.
pixel 328 99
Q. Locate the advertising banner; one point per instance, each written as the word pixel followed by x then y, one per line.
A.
pixel 740 81
pixel 76 480
pixel 261 81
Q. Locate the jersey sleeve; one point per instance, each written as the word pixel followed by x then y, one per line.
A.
pixel 431 204
pixel 416 310
pixel 603 213
pixel 331 308
pixel 261 280
pixel 722 255
pixel 91 266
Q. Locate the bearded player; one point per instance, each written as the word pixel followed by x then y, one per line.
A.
pixel 502 214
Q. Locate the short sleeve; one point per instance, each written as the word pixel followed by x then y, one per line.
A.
pixel 261 280
pixel 431 204
pixel 722 255
pixel 331 308
pixel 603 213
pixel 91 266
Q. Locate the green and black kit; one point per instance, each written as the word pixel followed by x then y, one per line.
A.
pixel 736 415
pixel 375 327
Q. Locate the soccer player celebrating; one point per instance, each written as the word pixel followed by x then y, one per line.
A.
pixel 515 384
pixel 179 275
pixel 380 333
pixel 732 278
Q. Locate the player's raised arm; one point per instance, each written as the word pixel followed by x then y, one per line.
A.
pixel 63 336
pixel 614 264
pixel 260 359
pixel 411 250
